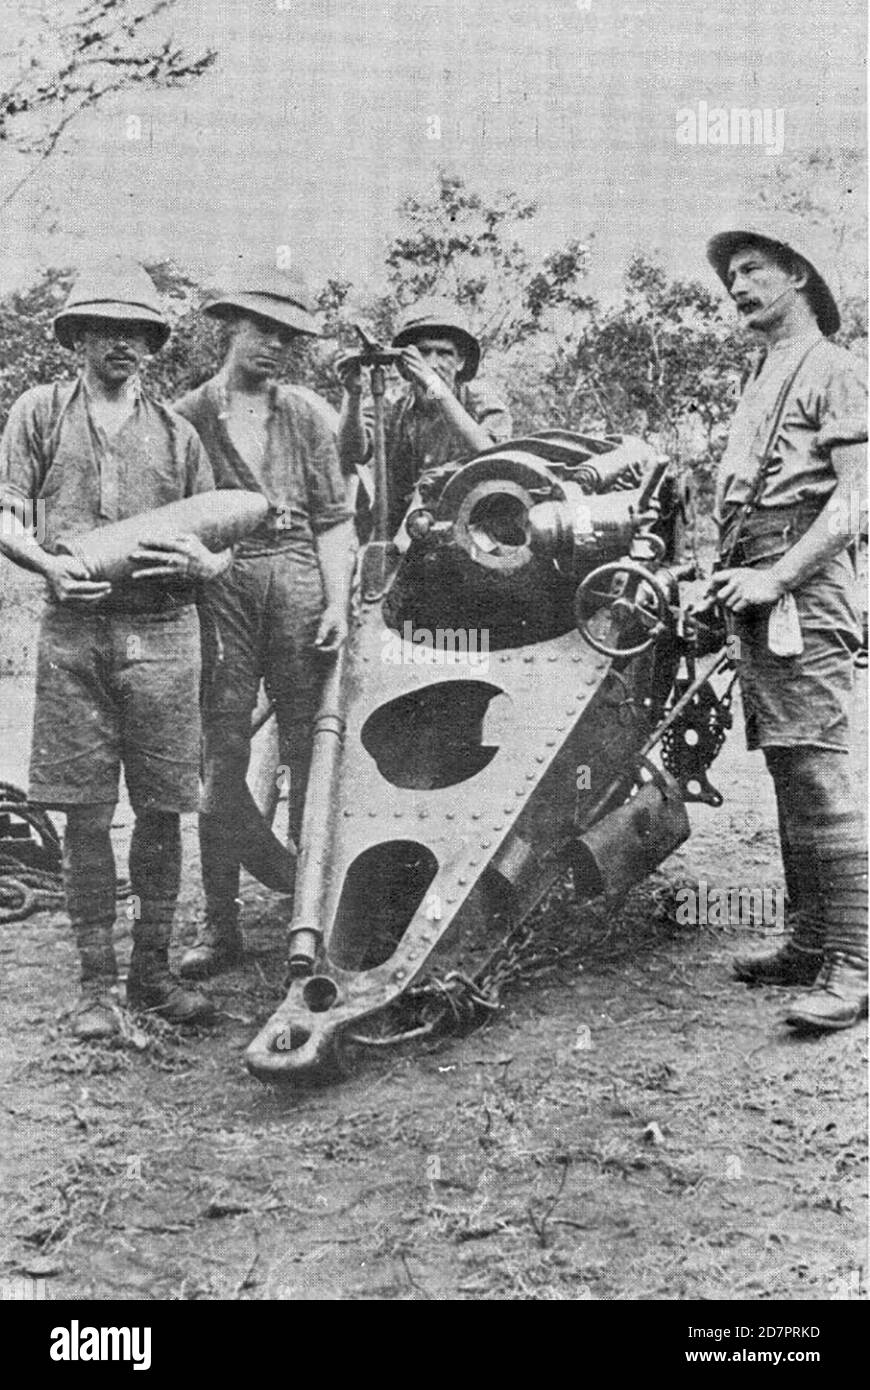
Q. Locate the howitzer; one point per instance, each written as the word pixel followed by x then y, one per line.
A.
pixel 486 728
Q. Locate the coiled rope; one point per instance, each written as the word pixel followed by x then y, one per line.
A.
pixel 30 869
pixel 30 872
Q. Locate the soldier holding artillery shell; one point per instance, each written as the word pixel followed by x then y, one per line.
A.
pixel 118 664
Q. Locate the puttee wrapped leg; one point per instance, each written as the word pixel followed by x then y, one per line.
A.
pixel 89 887
pixel 155 876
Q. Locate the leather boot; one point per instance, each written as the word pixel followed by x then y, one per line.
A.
pixel 793 964
pixel 95 1015
pixel 150 984
pixel 838 998
pixel 799 959
pixel 218 946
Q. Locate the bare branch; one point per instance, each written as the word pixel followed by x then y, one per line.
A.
pixel 101 52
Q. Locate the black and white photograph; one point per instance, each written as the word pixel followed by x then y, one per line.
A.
pixel 433 661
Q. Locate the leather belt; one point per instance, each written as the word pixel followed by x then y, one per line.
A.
pixel 768 533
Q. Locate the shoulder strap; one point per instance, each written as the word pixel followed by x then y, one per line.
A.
pixel 755 493
pixel 61 399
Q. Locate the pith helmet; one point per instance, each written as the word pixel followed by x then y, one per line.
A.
pixel 261 288
pixel 114 288
pixel 440 316
pixel 775 237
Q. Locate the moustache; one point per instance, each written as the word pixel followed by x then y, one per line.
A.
pixel 750 305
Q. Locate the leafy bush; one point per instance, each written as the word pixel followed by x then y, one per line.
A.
pixel 665 362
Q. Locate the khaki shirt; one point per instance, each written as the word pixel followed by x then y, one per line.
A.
pixel 299 471
pixel 54 452
pixel 826 408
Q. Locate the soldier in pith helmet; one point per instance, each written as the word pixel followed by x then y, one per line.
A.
pixel 283 607
pixel 445 413
pixel 117 681
pixel 790 483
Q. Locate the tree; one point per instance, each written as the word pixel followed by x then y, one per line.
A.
pixel 664 353
pixel 458 244
pixel 76 63
pixel 468 248
pixel 663 363
pixel 666 361
pixel 30 352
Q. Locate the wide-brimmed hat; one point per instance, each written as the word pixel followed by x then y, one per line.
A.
pixel 775 237
pixel 439 316
pixel 116 288
pixel 261 288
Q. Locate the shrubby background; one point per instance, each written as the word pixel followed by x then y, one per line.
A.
pixel 664 359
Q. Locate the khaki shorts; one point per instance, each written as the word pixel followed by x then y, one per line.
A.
pixel 113 690
pixel 800 701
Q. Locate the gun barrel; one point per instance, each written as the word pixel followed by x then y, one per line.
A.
pixel 306 932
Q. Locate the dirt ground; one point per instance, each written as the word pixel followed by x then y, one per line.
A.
pixel 632 1124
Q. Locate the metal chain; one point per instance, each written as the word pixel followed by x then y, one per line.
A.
pixel 506 962
pixel 463 1002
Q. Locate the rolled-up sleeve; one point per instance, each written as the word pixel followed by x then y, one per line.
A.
pixel 22 466
pixel 484 404
pixel 842 409
pixel 491 412
pixel 324 481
